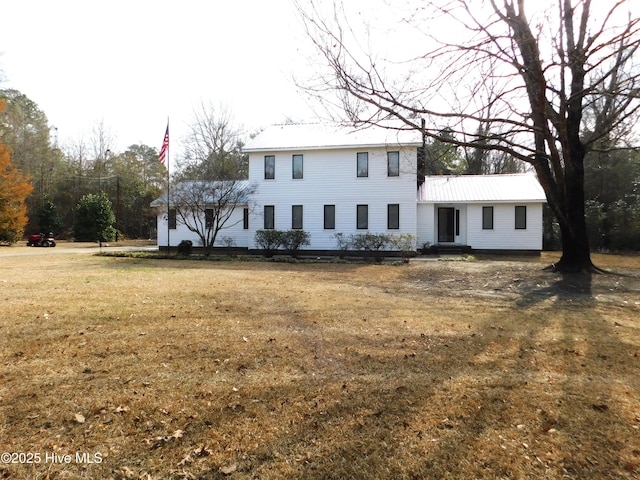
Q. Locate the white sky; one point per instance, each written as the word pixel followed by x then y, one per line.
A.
pixel 130 64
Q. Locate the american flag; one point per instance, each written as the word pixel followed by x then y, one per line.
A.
pixel 165 147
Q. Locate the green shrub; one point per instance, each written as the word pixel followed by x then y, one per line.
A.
pixel 372 245
pixel 269 241
pixel 292 240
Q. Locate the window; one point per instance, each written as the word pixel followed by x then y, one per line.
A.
pixel 457 223
pixel 245 219
pixel 363 164
pixel 208 218
pixel 393 216
pixel 487 218
pixel 393 164
pixel 363 217
pixel 296 217
pixel 521 217
pixel 269 167
pixel 269 223
pixel 172 219
pixel 297 166
pixel 329 217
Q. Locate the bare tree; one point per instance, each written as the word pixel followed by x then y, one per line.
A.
pixel 206 207
pixel 545 70
pixel 212 181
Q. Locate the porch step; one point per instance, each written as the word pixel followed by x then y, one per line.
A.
pixel 449 249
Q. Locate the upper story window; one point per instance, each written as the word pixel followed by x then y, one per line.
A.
pixel 269 167
pixel 297 167
pixel 487 218
pixel 363 164
pixel 521 217
pixel 393 164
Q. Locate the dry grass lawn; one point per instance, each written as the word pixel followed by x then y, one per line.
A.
pixel 158 369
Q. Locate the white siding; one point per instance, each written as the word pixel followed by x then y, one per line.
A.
pixel 330 179
pixel 426 224
pixel 504 234
pixel 233 228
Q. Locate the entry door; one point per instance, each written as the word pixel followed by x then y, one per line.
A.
pixel 446 223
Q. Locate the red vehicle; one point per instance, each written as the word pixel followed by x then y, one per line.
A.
pixel 41 240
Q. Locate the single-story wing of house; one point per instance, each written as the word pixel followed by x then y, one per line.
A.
pixel 481 212
pixel 330 179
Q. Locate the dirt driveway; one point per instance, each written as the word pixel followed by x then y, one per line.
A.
pixel 20 249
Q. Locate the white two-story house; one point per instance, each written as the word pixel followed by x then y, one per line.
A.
pixel 329 179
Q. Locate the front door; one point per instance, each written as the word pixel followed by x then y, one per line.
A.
pixel 446 223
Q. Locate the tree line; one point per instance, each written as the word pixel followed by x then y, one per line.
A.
pixel 68 185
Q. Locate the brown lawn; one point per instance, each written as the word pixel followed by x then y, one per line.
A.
pixel 167 369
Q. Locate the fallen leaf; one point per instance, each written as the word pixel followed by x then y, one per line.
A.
pixel 229 469
pixel 177 434
pixel 79 418
pixel 121 409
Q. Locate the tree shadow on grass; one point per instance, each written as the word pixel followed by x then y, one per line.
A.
pixel 566 287
pixel 533 400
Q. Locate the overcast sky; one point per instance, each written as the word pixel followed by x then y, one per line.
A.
pixel 130 64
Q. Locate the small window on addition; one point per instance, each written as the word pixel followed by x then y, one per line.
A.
pixel 487 218
pixel 521 217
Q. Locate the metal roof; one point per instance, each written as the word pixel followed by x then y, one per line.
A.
pixel 519 187
pixel 320 136
pixel 202 189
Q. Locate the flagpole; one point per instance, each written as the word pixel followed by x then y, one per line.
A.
pixel 168 196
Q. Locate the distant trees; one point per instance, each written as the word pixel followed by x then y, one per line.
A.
pixel 62 175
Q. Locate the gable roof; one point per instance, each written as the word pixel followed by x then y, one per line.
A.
pixel 322 136
pixel 518 187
